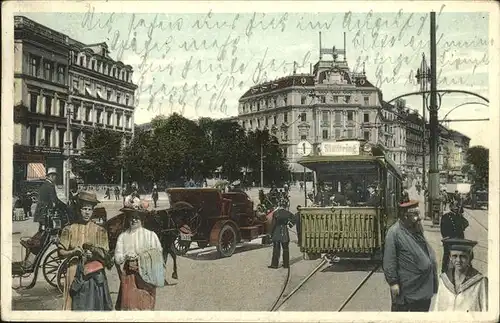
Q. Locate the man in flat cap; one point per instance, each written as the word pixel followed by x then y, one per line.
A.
pixel 462 288
pixel 409 262
pixel 47 198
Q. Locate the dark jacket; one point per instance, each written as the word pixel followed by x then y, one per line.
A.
pixel 47 199
pixel 373 200
pixel 281 218
pixel 453 225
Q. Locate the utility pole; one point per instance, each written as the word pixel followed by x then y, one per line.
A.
pixel 69 113
pixel 434 201
pixel 423 77
pixel 261 164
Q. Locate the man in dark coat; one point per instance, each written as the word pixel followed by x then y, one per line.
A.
pixel 453 225
pixel 47 198
pixel 372 199
pixel 280 236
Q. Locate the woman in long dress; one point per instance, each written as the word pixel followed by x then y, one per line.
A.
pixel 138 255
pixel 86 286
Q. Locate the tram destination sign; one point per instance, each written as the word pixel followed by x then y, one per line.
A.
pixel 340 148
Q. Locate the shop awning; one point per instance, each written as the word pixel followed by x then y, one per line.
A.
pixel 297 168
pixel 35 171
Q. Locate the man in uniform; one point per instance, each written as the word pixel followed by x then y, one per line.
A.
pixel 453 225
pixel 47 198
pixel 280 236
pixel 409 262
pixel 372 199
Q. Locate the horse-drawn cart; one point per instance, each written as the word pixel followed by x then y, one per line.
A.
pixel 212 218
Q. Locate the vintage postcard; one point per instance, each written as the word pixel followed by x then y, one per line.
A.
pixel 244 161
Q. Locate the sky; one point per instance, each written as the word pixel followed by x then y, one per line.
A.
pixel 201 64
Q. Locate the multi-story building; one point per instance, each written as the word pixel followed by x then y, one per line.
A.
pixel 414 140
pixel 51 69
pixel 330 102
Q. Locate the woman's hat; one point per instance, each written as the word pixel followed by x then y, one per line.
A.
pixel 89 197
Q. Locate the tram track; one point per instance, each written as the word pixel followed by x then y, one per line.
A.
pixel 283 298
pixel 469 213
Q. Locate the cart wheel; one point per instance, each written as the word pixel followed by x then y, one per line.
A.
pixel 61 274
pixel 181 247
pixel 202 244
pixel 227 241
pixel 50 266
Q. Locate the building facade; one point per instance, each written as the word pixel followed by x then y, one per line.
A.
pixel 52 70
pixel 331 102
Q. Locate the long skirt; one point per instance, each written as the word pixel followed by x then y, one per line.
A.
pixel 135 294
pixel 92 293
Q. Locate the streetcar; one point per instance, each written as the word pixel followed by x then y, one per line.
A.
pixel 358 191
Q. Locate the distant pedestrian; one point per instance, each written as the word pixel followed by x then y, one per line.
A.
pixel 453 225
pixel 107 194
pixel 117 193
pixel 409 262
pixel 282 219
pixel 27 202
pixel 461 288
pixel 154 195
pixel 301 184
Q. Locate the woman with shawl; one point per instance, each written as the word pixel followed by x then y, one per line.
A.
pixel 139 257
pixel 86 243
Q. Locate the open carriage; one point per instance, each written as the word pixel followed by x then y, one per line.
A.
pixel 41 250
pixel 212 218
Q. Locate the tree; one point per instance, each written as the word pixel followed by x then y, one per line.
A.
pixel 275 165
pixel 139 160
pixel 478 159
pixel 100 158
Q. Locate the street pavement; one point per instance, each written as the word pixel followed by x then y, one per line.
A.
pixel 244 283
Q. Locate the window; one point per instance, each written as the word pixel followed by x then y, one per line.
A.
pixel 366 117
pixel 108 118
pixel 32 135
pixel 48 105
pixel 251 124
pixel 93 64
pixel 81 60
pixel 119 120
pixel 350 133
pixel 128 122
pixel 337 133
pixel 98 116
pixel 61 137
pixel 258 106
pixel 108 95
pixel 285 117
pixel 275 102
pixel 284 100
pixel 347 98
pixel 338 116
pixel 34 66
pixel 275 120
pixel 335 99
pixel 366 100
pixel 76 86
pixel 62 106
pixel 303 99
pixel 303 116
pixel 118 97
pixel 87 114
pixel 75 113
pixel 322 99
pixel 325 134
pixel 74 139
pixel 303 137
pixel 366 135
pixel 266 121
pixel 61 74
pixel 48 71
pixel 48 133
pixel 33 102
pixel 350 115
pixel 127 98
pixel 325 115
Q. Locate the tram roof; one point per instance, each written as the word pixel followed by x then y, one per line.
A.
pixel 345 151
